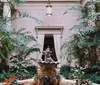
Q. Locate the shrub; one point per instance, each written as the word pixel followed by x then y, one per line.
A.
pixel 96 67
pixel 64 68
pixel 65 71
pixel 92 77
pixel 21 74
pixel 4 75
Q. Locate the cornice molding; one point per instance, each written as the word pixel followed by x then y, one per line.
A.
pixel 49 28
pixel 55 2
pixel 52 1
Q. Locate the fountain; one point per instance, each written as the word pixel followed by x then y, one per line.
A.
pixel 48 61
pixel 47 74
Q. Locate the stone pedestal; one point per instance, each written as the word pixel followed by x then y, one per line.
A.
pixel 47 74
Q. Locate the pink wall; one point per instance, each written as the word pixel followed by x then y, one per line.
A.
pixel 38 10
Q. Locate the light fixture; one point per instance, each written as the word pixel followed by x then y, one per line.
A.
pixel 49 9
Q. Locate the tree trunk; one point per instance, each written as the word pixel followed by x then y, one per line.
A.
pixel 3 65
pixel 81 61
pixel 92 55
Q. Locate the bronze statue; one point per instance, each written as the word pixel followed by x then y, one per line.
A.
pixel 47 55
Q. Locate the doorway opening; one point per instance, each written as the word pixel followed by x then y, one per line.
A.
pixel 49 41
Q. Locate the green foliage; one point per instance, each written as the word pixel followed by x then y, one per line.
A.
pixel 21 41
pixel 72 73
pixel 21 73
pixel 84 41
pixel 78 73
pixel 26 15
pixel 15 42
pixel 25 72
pixel 75 47
pixel 4 75
pixel 92 77
pixel 21 68
pixel 65 71
pixel 67 75
pixel 64 68
pixel 13 3
pixel 74 8
pixel 6 46
pixel 97 5
pixel 96 68
pixel 86 38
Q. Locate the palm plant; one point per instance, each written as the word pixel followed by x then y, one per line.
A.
pixel 15 42
pixel 5 50
pixel 86 37
pixel 11 41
